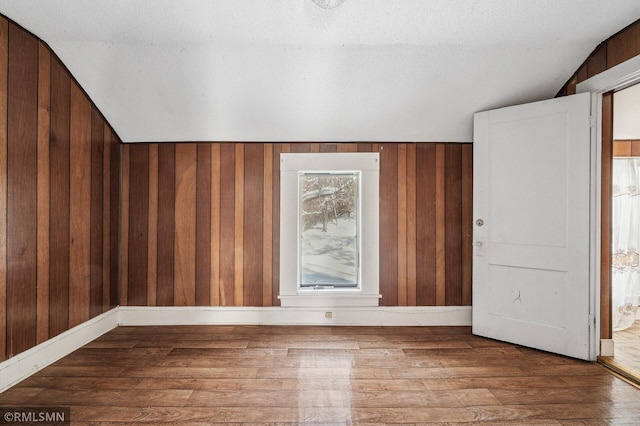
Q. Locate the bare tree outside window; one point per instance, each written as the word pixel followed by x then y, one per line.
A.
pixel 328 208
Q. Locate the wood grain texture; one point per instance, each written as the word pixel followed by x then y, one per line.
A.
pixel 402 225
pixel 106 217
pixel 324 375
pixel 166 223
pixel 22 195
pixel 79 207
pixel 97 209
pixel 605 216
pixel 635 148
pixel 467 223
pixel 411 225
pixel 138 249
pixel 388 224
pixel 152 246
pixel 597 62
pixel 426 225
pixel 59 200
pixel 115 175
pixel 44 130
pixel 238 249
pixel 622 148
pixel 253 204
pixel 4 68
pixel 203 225
pixel 453 228
pixel 185 231
pixel 215 225
pixel 624 45
pixel 441 195
pixel 124 226
pixel 227 223
pixel 267 227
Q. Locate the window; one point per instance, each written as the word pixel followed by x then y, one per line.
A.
pixel 329 229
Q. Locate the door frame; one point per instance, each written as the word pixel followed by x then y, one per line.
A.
pixel 601 87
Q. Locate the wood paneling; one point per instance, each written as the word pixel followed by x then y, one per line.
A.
pixel 4 68
pixel 624 45
pixel 626 148
pixel 114 193
pixel 138 219
pixel 152 246
pixel 597 62
pixel 166 223
pixel 22 196
pixel 605 215
pixel 54 224
pixel 426 222
pixel 244 240
pixel 184 283
pixel 203 225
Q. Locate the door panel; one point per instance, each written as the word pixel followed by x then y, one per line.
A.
pixel 531 210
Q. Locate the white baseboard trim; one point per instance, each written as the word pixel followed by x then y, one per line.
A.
pixel 607 347
pixel 31 361
pixel 362 316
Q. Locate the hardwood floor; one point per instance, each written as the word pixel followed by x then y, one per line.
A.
pixel 326 375
pixel 627 347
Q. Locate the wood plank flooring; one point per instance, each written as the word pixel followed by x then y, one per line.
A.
pixel 627 347
pixel 324 375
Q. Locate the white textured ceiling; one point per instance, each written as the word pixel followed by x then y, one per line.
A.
pixel 286 70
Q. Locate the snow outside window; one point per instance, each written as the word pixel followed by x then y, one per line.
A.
pixel 329 229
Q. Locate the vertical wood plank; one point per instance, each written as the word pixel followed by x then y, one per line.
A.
pixel 635 148
pixel 621 148
pixel 267 226
pixel 59 200
pixel 453 222
pixel 238 278
pixel 365 147
pixel 389 224
pixel 203 225
pixel 4 69
pixel 597 62
pixel 115 174
pixel 314 147
pixel 426 225
pixel 44 127
pixel 347 147
pixel 215 225
pixel 166 223
pixel 411 225
pixel 152 234
pixel 185 216
pixel 275 237
pixel 440 224
pixel 227 223
pixel 300 147
pixel 80 205
pixel 124 226
pixel 624 45
pixel 402 224
pixel 328 147
pixel 138 224
pixel 606 214
pixel 252 229
pixel 467 223
pixel 106 225
pixel 96 216
pixel 22 187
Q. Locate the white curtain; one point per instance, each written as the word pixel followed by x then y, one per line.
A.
pixel 625 242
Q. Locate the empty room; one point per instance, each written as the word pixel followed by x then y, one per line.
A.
pixel 319 212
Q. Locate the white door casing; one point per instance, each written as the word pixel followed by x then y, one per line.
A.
pixel 531 261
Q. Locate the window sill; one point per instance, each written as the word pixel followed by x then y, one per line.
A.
pixel 329 298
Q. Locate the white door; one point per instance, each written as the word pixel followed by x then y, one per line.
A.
pixel 531 225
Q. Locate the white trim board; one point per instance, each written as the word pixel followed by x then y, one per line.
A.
pixel 358 316
pixel 23 365
pixel 31 361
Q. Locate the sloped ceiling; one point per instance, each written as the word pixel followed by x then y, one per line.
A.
pixel 287 70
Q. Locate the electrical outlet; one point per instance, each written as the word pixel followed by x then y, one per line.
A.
pixel 328 315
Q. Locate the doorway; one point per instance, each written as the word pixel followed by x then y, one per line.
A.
pixel 625 230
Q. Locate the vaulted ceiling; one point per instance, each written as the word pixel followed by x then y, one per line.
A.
pixel 287 70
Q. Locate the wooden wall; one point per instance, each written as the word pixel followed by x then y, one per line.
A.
pixel 626 148
pixel 616 49
pixel 200 222
pixel 59 176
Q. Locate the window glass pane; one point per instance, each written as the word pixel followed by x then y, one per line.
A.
pixel 328 208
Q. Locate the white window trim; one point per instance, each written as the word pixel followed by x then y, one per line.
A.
pixel 368 293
